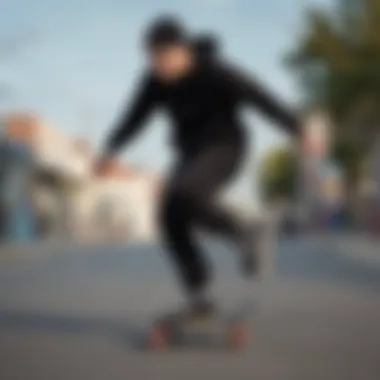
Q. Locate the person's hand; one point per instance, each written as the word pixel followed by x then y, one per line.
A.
pixel 102 165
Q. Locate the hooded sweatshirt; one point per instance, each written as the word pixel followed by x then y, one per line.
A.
pixel 203 107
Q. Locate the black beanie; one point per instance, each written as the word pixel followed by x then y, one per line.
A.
pixel 165 31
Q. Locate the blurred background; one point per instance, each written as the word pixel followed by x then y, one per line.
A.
pixel 78 251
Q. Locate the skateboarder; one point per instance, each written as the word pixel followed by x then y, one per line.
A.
pixel 202 94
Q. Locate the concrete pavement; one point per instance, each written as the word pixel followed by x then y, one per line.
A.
pixel 78 316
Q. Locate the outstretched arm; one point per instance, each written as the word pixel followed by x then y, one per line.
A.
pixel 132 121
pixel 251 91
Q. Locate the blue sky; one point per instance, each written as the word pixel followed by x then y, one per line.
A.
pixel 77 60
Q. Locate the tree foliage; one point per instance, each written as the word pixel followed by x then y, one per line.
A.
pixel 278 173
pixel 337 59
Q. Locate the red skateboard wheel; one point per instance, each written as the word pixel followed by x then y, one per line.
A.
pixel 158 337
pixel 238 336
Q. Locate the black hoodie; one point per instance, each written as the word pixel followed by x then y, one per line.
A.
pixel 203 107
pixel 206 47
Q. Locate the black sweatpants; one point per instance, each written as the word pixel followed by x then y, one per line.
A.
pixel 190 202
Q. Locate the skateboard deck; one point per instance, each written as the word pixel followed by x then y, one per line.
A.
pixel 229 329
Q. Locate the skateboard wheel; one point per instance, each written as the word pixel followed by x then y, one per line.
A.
pixel 238 336
pixel 158 338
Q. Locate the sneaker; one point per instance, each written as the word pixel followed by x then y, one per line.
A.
pixel 201 307
pixel 194 313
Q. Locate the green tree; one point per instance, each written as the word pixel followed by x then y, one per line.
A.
pixel 338 58
pixel 337 61
pixel 279 173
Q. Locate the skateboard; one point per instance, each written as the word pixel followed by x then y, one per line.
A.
pixel 228 330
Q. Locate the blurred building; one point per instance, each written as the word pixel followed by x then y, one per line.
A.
pixel 17 216
pixel 120 204
pixel 62 164
pixel 69 200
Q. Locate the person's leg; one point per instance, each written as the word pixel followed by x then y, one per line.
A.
pixel 177 233
pixel 189 201
pixel 210 170
pixel 203 179
pixel 176 228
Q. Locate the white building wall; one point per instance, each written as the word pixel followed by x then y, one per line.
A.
pixel 58 152
pixel 132 206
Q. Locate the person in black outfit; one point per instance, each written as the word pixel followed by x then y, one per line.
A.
pixel 202 95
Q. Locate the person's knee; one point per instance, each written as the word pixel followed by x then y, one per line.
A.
pixel 172 212
pixel 184 197
pixel 178 207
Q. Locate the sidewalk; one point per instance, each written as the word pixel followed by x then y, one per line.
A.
pixel 357 246
pixel 13 253
pixel 21 252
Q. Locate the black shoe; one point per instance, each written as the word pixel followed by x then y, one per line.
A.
pixel 201 307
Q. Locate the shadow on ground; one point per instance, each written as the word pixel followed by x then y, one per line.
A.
pixel 129 332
